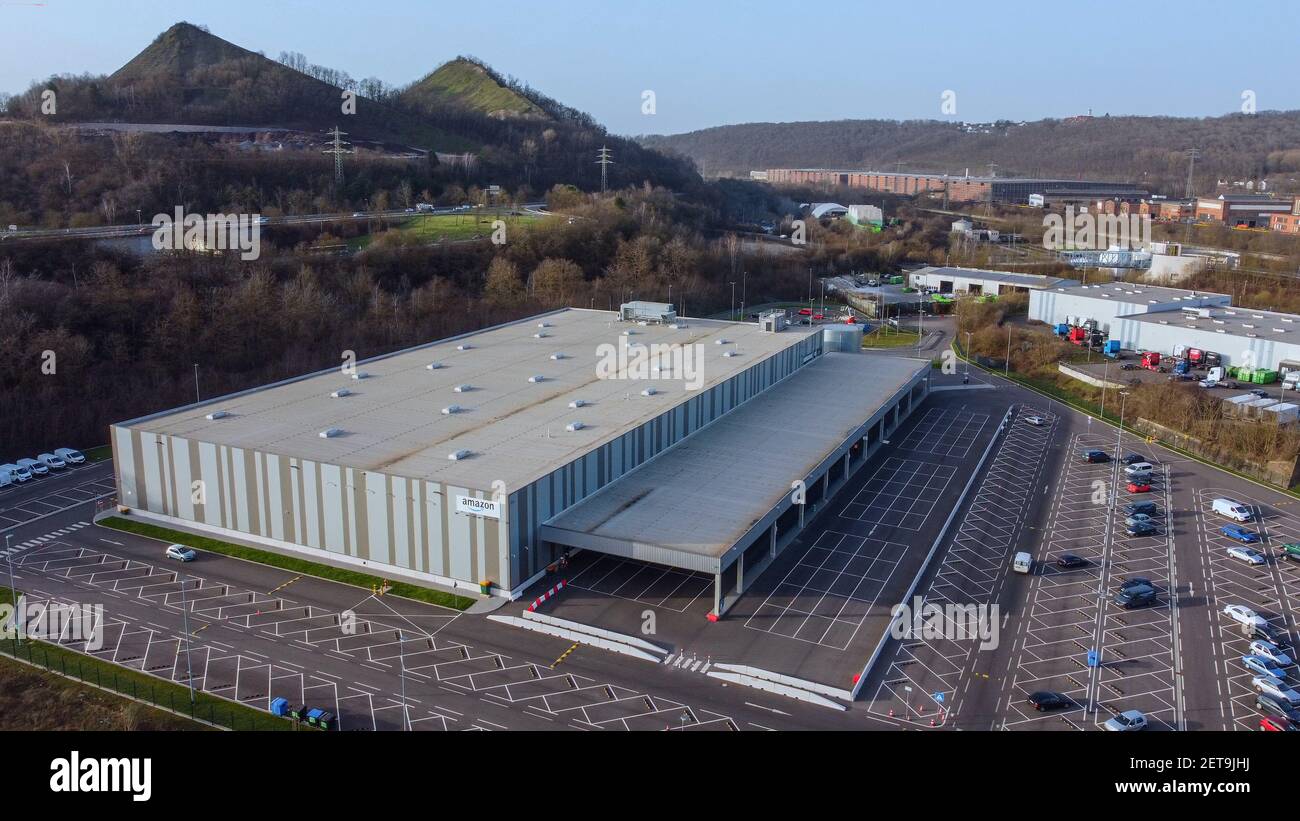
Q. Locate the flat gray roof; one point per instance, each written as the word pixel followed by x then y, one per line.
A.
pixel 515 429
pixel 1138 293
pixel 1009 277
pixel 1243 322
pixel 691 504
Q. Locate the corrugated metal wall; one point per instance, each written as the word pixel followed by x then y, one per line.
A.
pixel 314 506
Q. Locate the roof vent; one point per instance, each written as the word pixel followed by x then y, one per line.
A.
pixel 537 378
pixel 330 433
pixel 463 388
pixel 728 353
pixel 457 455
pixel 627 333
pixel 217 414
pixel 1164 322
pixel 574 426
pixel 721 341
pixel 434 366
pixel 450 409
pixel 543 324
pixel 340 393
pixel 360 375
pixel 464 347
pixel 558 356
pixel 540 335
pixel 578 403
pixel 649 391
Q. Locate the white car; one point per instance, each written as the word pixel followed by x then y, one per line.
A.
pixel 19 474
pixel 1127 721
pixel 1270 651
pixel 1036 421
pixel 181 553
pixel 51 461
pixel 70 455
pixel 1275 687
pixel 1242 614
pixel 1252 557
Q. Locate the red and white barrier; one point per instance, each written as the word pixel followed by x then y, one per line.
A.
pixel 549 593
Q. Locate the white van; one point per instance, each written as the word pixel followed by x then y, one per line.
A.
pixel 70 455
pixel 34 466
pixel 1139 469
pixel 51 461
pixel 1232 510
pixel 19 473
pixel 6 478
pixel 1022 563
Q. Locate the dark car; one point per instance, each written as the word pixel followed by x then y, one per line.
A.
pixel 1276 707
pixel 1134 597
pixel 1261 394
pixel 1141 529
pixel 1095 456
pixel 1134 458
pixel 1136 581
pixel 1268 633
pixel 1134 508
pixel 1048 701
pixel 1069 560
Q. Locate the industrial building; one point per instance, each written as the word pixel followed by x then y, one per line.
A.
pixel 956 188
pixel 485 457
pixel 1242 210
pixel 1151 318
pixel 948 280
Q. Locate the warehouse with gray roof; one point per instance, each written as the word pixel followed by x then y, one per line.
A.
pixel 485 457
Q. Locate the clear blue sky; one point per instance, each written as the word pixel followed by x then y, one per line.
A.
pixel 713 62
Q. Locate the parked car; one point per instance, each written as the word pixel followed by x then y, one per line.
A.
pixel 1231 509
pixel 1141 529
pixel 1240 534
pixel 1266 632
pixel 1277 725
pixel 1270 706
pixel 1139 518
pixel 1145 508
pixel 1133 459
pixel 1270 651
pixel 1036 421
pixel 1260 393
pixel 1247 555
pixel 1131 598
pixel 34 466
pixel 1095 456
pixel 1127 721
pixel 1275 687
pixel 1139 486
pixel 1291 550
pixel 1069 561
pixel 51 461
pixel 19 473
pixel 70 455
pixel 1136 581
pixel 1048 701
pixel 1242 614
pixel 181 553
pixel 1139 470
pixel 1263 667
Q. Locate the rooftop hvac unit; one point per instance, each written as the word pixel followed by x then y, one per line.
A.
pixel 360 375
pixel 340 393
pixel 728 354
pixel 464 347
pixel 637 311
pixel 330 433
pixel 217 414
pixel 574 426
pixel 559 356
pixel 721 341
pixel 543 324
pixel 649 391
pixel 463 388
pixel 457 455
pixel 540 335
pixel 578 403
pixel 434 366
pixel 450 409
pixel 537 378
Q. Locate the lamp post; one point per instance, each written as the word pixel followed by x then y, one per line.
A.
pixel 733 300
pixel 185 625
pixel 401 654
pixel 1006 366
pixel 196 383
pixel 13 591
pixel 967 378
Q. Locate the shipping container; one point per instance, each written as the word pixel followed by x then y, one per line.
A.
pixel 1284 412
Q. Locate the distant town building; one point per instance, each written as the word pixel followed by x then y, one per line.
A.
pixel 1287 223
pixel 1241 210
pixel 957 188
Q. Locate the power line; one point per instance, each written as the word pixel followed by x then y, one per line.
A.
pixel 338 147
pixel 604 161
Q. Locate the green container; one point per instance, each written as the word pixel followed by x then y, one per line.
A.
pixel 1263 376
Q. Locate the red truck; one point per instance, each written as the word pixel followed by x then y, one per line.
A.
pixel 1151 361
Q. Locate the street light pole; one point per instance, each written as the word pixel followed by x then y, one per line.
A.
pixel 196 383
pixel 1006 366
pixel 968 356
pixel 401 653
pixel 13 591
pixel 733 300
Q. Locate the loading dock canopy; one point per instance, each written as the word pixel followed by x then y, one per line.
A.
pixel 691 506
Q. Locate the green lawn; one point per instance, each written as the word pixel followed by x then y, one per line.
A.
pixel 474 224
pixel 296 565
pixel 887 337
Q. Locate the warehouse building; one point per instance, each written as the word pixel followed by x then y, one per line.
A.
pixel 487 456
pixel 950 280
pixel 1242 210
pixel 956 187
pixel 1151 318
